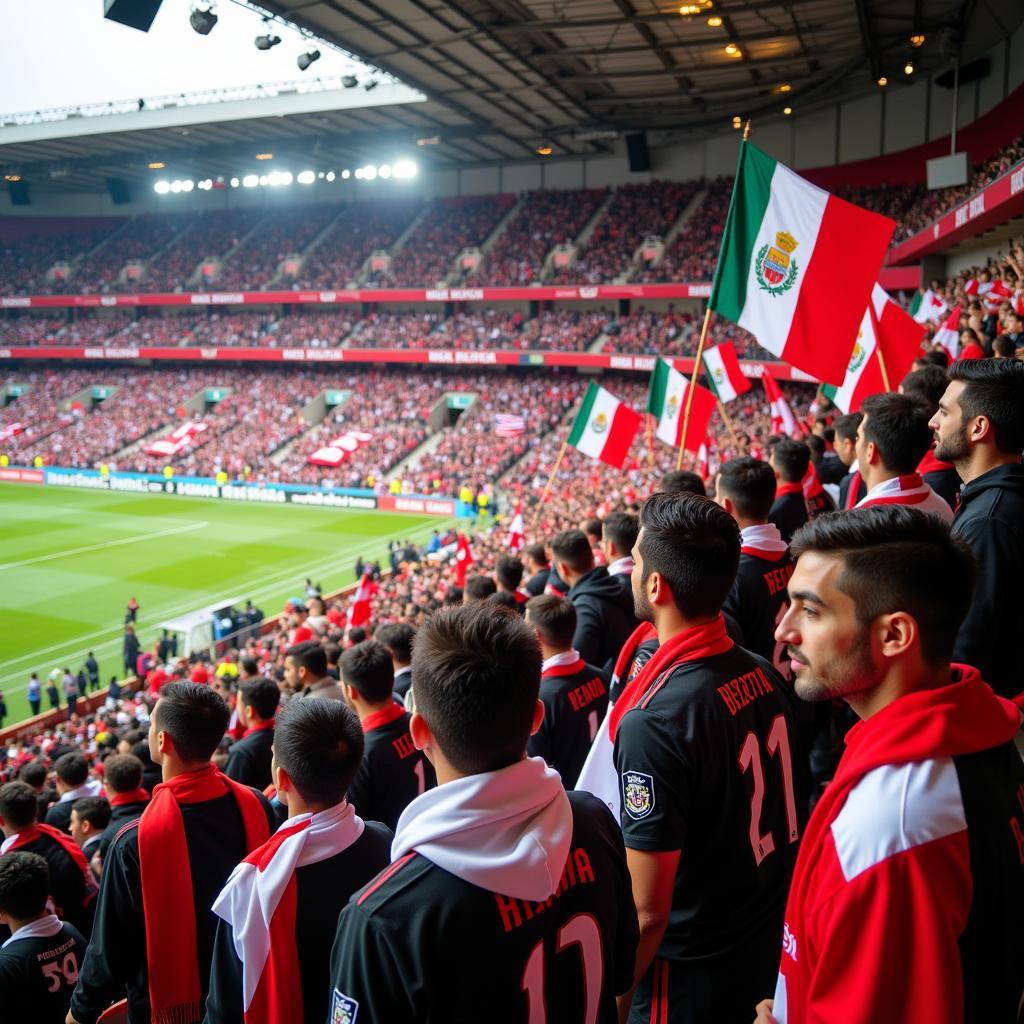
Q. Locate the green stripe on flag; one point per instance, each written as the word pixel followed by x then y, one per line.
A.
pixel 747 206
pixel 659 386
pixel 583 416
pixel 830 391
pixel 915 304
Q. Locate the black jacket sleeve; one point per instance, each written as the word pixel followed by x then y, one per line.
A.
pixel 224 1002
pixel 360 793
pixel 366 978
pixel 116 956
pixel 242 766
pixel 590 631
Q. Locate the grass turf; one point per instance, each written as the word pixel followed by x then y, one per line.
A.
pixel 70 561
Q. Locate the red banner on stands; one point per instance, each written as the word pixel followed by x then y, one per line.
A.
pixel 419 506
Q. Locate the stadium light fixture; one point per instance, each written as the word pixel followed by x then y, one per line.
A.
pixel 785 87
pixel 161 188
pixel 369 172
pixel 908 68
pixel 733 50
pixel 250 181
pixel 175 186
pixel 156 165
pixel 203 16
pixel 883 82
pixel 235 183
pixel 307 58
pixel 346 174
pixel 329 176
pixel 917 40
pixel 306 177
pixel 737 122
pixel 787 111
pixel 384 171
pixel 187 185
pixel 714 21
pixel 544 149
pixel 403 170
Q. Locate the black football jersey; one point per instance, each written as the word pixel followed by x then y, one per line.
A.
pixel 643 654
pixel 758 601
pixel 420 945
pixel 575 699
pixel 38 975
pixel 709 764
pixel 789 513
pixel 393 772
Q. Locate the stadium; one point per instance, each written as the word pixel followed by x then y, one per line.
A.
pixel 320 321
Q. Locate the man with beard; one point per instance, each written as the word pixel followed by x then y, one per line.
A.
pixel 909 885
pixel 712 781
pixel 979 427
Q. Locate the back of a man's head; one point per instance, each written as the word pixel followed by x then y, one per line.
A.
pixel 72 769
pixel 750 485
pixel 122 773
pixel 554 618
pixel 476 675
pixel 93 809
pixel 24 884
pixel 678 481
pixel 368 670
pixel 195 717
pixel 319 743
pixel 791 459
pixel 34 774
pixel 694 545
pixel 621 529
pixel 260 694
pixel 536 554
pixel 572 548
pixel 509 572
pixel 479 588
pixel 18 804
pixel 897 425
pixel 397 637
pixel 897 558
pixel 994 388
pixel 927 385
pixel 309 655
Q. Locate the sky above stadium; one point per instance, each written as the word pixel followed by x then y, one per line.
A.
pixel 60 53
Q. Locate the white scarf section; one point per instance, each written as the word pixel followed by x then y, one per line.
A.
pixel 907 490
pixel 569 657
pixel 43 927
pixel 621 566
pixel 250 896
pixel 93 787
pixel 764 537
pixel 507 831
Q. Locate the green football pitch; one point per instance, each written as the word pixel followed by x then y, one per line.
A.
pixel 71 560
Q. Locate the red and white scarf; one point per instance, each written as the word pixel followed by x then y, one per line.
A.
pixel 167 896
pixel 598 775
pixel 259 902
pixel 565 663
pixel 899 490
pixel 33 832
pixel 763 541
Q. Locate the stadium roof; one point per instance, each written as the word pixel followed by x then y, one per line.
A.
pixel 502 77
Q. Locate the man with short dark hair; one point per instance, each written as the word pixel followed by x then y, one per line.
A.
pixel 682 481
pixel 39 963
pixel 574 694
pixel 618 535
pixel 122 781
pixel 397 637
pixel 279 910
pixel 789 459
pixel 305 672
pixel 980 429
pixel 73 782
pixel 478 588
pixel 604 608
pixel 757 601
pixel 249 758
pixel 908 891
pixel 508 574
pixel 90 815
pixel 503 891
pixel 92 670
pixel 892 439
pixel 154 928
pixel 928 385
pixel 711 781
pixel 393 771
pixel 538 566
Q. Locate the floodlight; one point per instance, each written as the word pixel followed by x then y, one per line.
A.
pixel 306 177
pixel 203 16
pixel 250 181
pixel 161 188
pixel 307 58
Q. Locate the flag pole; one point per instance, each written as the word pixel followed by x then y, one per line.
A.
pixel 649 438
pixel 547 486
pixel 727 419
pixel 882 367
pixel 692 385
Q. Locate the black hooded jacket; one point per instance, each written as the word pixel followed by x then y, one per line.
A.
pixel 604 616
pixel 991 519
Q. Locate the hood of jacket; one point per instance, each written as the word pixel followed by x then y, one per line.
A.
pixel 599 586
pixel 1008 480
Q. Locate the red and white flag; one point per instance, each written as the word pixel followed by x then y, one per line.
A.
pixel 515 531
pixel 948 335
pixel 11 430
pixel 783 420
pixel 463 560
pixel 359 613
pixel 722 367
pixel 508 425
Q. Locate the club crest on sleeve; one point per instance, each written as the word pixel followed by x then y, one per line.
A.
pixel 343 1009
pixel 637 794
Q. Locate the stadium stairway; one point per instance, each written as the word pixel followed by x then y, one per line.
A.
pixel 399 242
pixel 488 243
pixel 194 277
pixel 279 278
pixel 670 236
pixel 581 240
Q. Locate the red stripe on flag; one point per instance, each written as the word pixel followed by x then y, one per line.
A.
pixel 621 432
pixel 836 290
pixel 704 403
